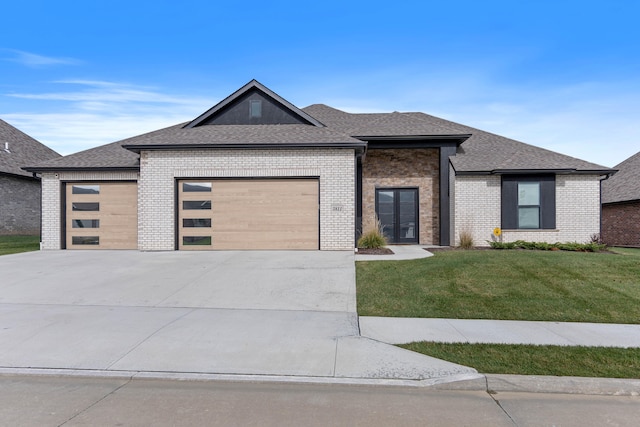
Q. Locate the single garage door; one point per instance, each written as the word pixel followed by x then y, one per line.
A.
pixel 102 215
pixel 248 214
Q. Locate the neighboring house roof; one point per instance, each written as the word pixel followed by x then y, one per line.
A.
pixel 624 186
pixel 481 152
pixel 18 149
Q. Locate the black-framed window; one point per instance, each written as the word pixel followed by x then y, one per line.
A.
pixel 528 202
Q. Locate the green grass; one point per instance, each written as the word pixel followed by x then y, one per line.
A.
pixel 538 360
pixel 505 284
pixel 17 244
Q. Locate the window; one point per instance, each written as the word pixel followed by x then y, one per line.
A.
pixel 196 204
pixel 86 207
pixel 85 240
pixel 196 222
pixel 255 109
pixel 86 223
pixel 528 205
pixel 196 187
pixel 196 240
pixel 85 189
pixel 528 202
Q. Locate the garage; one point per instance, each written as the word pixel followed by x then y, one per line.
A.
pixel 230 214
pixel 101 215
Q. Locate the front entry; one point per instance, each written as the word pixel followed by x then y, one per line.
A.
pixel 397 210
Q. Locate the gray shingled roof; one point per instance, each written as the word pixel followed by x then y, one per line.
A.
pixel 483 152
pixel 23 150
pixel 625 184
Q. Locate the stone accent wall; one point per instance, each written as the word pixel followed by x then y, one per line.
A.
pixel 19 205
pixel 621 224
pixel 159 169
pixel 477 209
pixel 52 202
pixel 404 168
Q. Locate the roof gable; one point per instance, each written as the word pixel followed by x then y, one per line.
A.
pixel 236 109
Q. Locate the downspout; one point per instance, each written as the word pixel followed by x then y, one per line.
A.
pixel 606 177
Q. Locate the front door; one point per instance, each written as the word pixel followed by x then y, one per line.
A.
pixel 397 210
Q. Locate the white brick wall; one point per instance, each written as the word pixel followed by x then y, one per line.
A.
pixel 51 201
pixel 477 209
pixel 159 169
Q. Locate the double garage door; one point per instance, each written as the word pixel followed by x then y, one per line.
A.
pixel 248 214
pixel 211 214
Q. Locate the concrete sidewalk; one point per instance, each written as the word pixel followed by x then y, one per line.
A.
pixel 400 252
pixel 397 330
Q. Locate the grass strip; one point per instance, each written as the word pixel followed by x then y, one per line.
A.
pixel 505 284
pixel 17 244
pixel 605 362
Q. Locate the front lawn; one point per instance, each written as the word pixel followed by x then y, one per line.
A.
pixel 537 360
pixel 505 284
pixel 16 244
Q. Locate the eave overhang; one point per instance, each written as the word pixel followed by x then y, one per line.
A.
pixel 358 146
pixel 36 169
pixel 413 141
pixel 607 172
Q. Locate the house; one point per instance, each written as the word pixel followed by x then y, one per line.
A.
pixel 19 189
pixel 621 205
pixel 257 172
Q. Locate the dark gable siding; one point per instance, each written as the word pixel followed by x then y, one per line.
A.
pixel 510 199
pixel 237 113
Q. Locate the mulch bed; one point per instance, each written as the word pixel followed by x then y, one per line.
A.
pixel 377 251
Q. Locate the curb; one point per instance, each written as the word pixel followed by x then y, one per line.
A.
pixel 490 383
pixel 495 383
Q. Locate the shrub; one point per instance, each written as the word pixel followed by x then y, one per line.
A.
pixel 502 245
pixel 373 238
pixel 543 246
pixel 466 239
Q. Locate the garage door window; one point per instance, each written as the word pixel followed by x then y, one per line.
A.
pixel 86 223
pixel 196 204
pixel 196 240
pixel 86 207
pixel 85 240
pixel 196 187
pixel 196 222
pixel 85 189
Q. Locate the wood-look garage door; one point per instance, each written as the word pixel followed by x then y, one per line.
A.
pixel 102 215
pixel 248 214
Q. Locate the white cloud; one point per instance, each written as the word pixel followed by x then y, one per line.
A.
pixel 35 61
pixel 101 112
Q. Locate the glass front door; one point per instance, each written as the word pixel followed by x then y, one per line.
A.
pixel 397 210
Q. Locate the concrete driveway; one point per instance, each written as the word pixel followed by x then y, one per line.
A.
pixel 263 312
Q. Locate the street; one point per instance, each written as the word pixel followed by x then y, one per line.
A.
pixel 81 401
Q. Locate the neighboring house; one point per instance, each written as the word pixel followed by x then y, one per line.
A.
pixel 257 172
pixel 20 190
pixel 621 205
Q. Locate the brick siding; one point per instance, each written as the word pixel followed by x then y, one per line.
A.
pixel 478 203
pixel 19 206
pixel 404 168
pixel 621 224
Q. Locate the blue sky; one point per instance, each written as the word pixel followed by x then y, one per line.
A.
pixel 561 74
